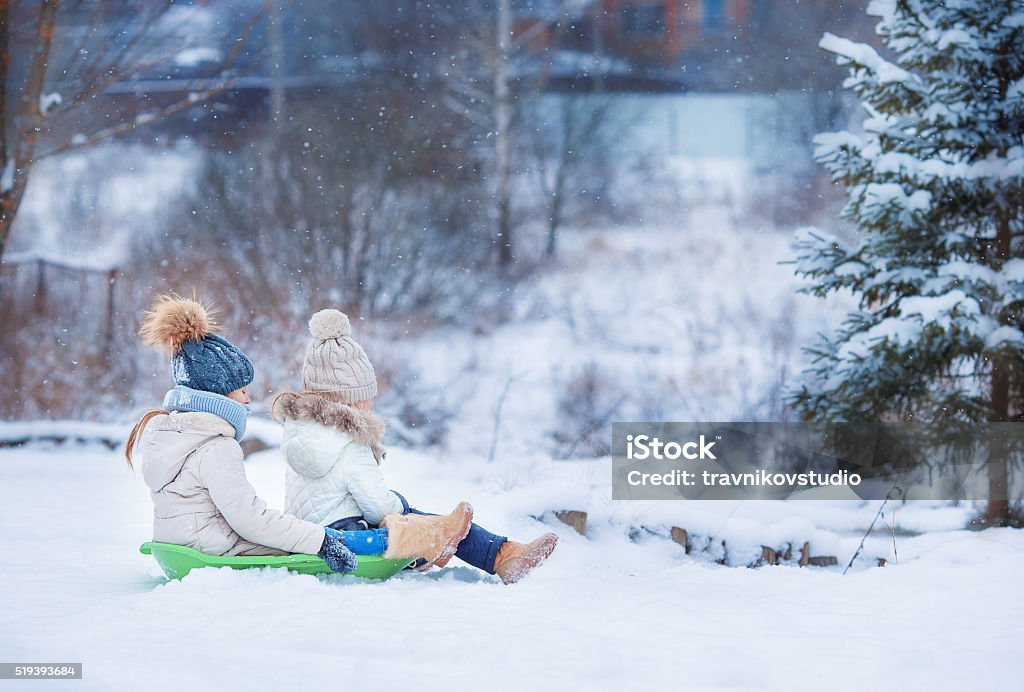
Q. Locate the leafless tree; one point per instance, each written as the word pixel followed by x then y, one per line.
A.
pixel 76 51
pixel 322 211
pixel 497 65
pixel 570 146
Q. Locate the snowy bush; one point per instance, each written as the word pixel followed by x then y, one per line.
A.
pixel 589 400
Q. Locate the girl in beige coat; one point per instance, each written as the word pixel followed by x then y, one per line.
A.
pixel 192 461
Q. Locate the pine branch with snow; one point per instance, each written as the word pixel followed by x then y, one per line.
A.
pixel 936 190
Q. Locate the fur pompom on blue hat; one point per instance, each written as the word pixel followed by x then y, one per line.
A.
pixel 200 358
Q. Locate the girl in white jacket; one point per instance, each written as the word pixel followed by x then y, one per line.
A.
pixel 192 462
pixel 332 446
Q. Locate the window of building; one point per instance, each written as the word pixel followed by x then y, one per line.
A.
pixel 714 14
pixel 646 19
pixel 761 14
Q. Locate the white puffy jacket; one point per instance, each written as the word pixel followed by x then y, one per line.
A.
pixel 333 454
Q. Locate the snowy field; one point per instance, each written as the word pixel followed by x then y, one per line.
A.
pixel 692 321
pixel 606 612
pixel 502 392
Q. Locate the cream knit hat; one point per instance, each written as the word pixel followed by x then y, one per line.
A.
pixel 334 362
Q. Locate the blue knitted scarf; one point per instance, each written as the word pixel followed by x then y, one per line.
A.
pixel 183 398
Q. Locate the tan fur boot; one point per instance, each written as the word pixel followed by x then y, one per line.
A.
pixel 434 538
pixel 515 560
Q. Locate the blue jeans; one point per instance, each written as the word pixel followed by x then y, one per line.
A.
pixel 479 548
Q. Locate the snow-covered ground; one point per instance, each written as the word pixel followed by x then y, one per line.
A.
pixel 690 321
pixel 606 612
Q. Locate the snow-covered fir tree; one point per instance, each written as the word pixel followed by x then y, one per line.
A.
pixel 936 190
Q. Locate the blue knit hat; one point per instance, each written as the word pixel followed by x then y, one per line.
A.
pixel 200 359
pixel 212 364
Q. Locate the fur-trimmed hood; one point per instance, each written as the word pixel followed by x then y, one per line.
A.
pixel 332 455
pixel 362 426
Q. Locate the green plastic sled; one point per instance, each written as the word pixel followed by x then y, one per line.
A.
pixel 177 561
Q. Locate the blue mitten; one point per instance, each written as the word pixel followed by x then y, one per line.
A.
pixel 335 553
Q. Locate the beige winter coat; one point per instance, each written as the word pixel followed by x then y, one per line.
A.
pixel 333 457
pixel 201 497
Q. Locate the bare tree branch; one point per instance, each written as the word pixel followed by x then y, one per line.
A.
pixel 497 413
pixel 104 70
pixel 5 61
pixel 138 121
pixel 26 125
pixel 91 73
